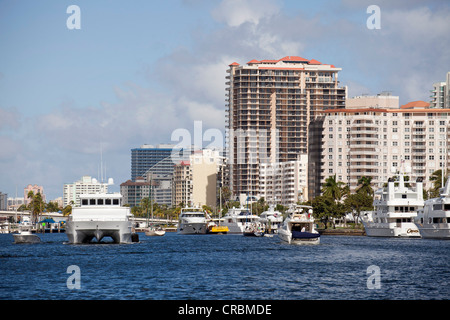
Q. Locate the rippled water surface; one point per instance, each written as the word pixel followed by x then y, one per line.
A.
pixel 217 267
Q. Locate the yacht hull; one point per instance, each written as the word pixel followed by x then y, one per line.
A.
pixel 382 230
pixel 26 238
pixel 435 232
pixel 299 238
pixel 192 228
pixel 85 231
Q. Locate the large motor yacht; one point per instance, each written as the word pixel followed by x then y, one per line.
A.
pixel 192 221
pixel 271 219
pixel 239 219
pixel 434 220
pixel 395 209
pixel 100 215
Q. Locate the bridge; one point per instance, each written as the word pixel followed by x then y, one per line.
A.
pixel 6 215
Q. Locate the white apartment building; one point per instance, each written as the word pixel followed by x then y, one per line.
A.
pixel 285 183
pixel 86 185
pixel 440 94
pixel 375 141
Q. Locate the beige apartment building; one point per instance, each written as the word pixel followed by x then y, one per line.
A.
pixel 375 142
pixel 195 181
pixel 269 106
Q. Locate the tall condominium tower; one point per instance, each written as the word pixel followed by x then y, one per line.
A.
pixel 149 156
pixel 440 95
pixel 270 104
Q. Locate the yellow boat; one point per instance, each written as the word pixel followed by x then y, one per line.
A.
pixel 218 229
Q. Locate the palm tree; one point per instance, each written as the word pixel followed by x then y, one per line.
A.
pixel 364 186
pixel 333 189
pixel 436 178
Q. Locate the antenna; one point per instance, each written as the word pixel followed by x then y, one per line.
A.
pixel 101 162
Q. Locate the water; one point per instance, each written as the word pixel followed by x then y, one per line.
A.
pixel 229 267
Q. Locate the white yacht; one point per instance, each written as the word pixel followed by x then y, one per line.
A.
pixel 192 221
pixel 434 220
pixel 299 227
pixel 25 234
pixel 395 209
pixel 271 219
pixel 100 215
pixel 238 219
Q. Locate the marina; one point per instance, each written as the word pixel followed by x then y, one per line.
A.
pixel 178 267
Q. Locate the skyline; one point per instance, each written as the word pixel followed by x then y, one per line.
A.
pixel 135 73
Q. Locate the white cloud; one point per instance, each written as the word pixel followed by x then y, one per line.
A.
pixel 236 12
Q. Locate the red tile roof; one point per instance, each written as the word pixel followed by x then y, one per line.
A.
pixel 234 64
pixel 253 61
pixel 415 105
pixel 293 58
pixel 313 61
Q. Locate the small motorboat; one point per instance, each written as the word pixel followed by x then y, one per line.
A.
pixel 25 235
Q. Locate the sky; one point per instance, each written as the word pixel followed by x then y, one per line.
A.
pixel 136 71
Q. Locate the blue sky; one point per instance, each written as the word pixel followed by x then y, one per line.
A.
pixel 138 70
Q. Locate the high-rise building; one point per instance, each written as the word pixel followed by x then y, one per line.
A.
pixel 195 182
pixel 440 94
pixel 375 142
pixel 286 182
pixel 134 191
pixel 3 201
pixel 270 104
pixel 86 185
pixel 35 189
pixel 148 156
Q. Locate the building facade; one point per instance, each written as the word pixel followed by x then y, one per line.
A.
pixel 148 156
pixel 375 142
pixel 270 104
pixel 35 189
pixel 195 182
pixel 86 185
pixel 440 94
pixel 134 191
pixel 286 182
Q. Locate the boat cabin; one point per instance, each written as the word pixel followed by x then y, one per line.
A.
pixel 99 199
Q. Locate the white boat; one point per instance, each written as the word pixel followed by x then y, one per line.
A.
pixel 271 219
pixel 25 235
pixel 237 219
pixel 255 229
pixel 395 209
pixel 154 231
pixel 100 215
pixel 299 227
pixel 433 221
pixel 192 221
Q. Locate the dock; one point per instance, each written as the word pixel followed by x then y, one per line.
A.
pixel 342 232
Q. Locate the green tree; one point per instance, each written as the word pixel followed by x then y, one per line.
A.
pixel 364 186
pixel 358 202
pixel 436 178
pixel 334 189
pixel 36 205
